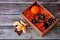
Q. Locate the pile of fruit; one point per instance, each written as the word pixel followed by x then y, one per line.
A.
pixel 39 17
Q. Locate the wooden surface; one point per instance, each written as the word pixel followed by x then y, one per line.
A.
pixel 11 10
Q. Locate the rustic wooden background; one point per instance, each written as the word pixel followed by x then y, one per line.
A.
pixel 11 10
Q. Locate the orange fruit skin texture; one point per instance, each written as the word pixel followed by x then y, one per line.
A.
pixel 35 9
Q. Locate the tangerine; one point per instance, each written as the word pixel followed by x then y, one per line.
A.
pixel 35 9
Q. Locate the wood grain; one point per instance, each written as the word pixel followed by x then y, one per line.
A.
pixel 31 34
pixel 24 0
pixel 11 10
pixel 18 8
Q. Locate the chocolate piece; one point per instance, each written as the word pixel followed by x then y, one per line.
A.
pixel 49 22
pixel 16 25
pixel 18 32
pixel 38 18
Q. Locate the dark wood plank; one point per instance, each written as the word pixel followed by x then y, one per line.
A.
pixel 12 8
pixel 53 8
pixel 29 0
pixel 31 34
pixel 8 20
pixel 19 8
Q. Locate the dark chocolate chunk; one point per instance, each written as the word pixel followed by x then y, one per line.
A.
pixel 38 18
pixel 16 25
pixel 49 22
pixel 18 32
pixel 46 24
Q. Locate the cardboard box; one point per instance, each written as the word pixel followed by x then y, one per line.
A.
pixel 27 13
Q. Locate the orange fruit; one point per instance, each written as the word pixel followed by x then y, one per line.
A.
pixel 35 9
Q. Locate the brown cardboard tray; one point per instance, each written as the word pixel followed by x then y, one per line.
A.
pixel 26 12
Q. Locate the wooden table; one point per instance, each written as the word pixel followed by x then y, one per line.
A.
pixel 11 10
